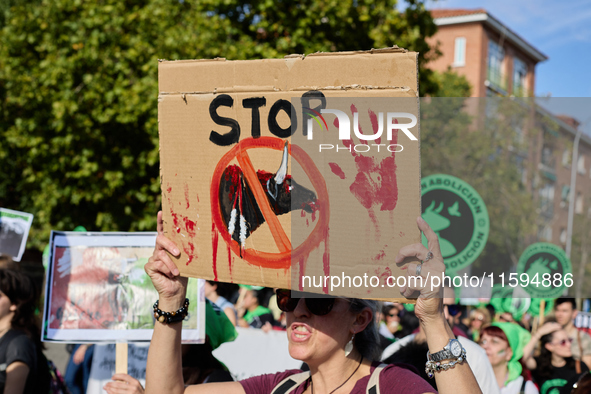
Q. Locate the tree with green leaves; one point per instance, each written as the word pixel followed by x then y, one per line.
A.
pixel 78 89
pixel 480 141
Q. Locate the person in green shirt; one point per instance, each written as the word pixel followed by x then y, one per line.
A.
pixel 255 315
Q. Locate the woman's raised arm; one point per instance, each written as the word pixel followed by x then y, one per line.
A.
pixel 164 368
pixel 429 310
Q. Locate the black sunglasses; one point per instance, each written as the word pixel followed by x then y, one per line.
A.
pixel 317 306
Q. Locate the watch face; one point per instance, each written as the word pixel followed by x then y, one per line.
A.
pixel 456 348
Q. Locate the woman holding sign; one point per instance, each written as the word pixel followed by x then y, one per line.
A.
pixel 336 337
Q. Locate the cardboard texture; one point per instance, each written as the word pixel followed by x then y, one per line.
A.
pixel 220 121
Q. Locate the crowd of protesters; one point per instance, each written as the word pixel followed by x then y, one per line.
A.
pixel 506 352
pixel 513 357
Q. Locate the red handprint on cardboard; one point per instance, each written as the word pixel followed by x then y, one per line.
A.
pixel 374 184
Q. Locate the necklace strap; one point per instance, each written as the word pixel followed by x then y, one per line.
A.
pixel 342 384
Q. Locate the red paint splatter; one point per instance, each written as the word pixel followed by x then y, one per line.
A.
pixel 197 197
pixel 375 183
pixel 176 221
pixel 302 263
pixel 401 234
pixel 354 111
pixel 336 122
pixel 384 275
pixel 374 124
pixel 190 251
pixel 307 223
pixel 189 226
pixel 326 261
pixel 232 175
pixel 168 189
pixel 337 170
pixel 230 260
pixel 350 146
pixel 303 213
pixel 187 195
pixel 380 256
pixel 214 246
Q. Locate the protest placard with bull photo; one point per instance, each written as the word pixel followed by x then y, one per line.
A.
pixel 249 198
pixel 97 290
pixel 14 231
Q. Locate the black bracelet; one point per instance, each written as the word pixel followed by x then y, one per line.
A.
pixel 171 317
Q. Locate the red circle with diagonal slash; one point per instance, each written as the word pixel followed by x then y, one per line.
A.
pixel 286 253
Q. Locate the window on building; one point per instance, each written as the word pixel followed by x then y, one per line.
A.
pixel 548 157
pixel 581 165
pixel 546 194
pixel 519 77
pixel 565 196
pixel 460 52
pixel 566 158
pixel 496 56
pixel 579 203
pixel 563 236
pixel 545 233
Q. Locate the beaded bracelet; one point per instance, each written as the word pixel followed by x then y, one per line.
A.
pixel 431 367
pixel 171 317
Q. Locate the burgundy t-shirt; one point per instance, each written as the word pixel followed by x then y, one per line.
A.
pixel 393 380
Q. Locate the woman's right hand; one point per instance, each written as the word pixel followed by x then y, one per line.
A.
pixel 547 328
pixel 123 384
pixel 163 272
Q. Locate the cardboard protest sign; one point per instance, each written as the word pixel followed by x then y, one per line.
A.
pixel 97 290
pixel 14 231
pixel 246 195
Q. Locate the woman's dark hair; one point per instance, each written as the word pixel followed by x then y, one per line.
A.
pixel 227 290
pixel 544 360
pixel 199 363
pixel 409 323
pixel 22 292
pixel 386 309
pixel 583 385
pixel 367 341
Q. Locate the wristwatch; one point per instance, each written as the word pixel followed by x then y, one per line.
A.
pixel 453 349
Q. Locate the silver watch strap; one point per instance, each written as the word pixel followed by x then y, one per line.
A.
pixel 440 355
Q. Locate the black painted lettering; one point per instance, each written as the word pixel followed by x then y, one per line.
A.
pixel 232 136
pixel 306 98
pixel 255 103
pixel 274 127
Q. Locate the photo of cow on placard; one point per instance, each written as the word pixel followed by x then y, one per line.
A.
pixel 14 231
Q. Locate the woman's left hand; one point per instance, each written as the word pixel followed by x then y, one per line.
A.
pixel 430 298
pixel 123 384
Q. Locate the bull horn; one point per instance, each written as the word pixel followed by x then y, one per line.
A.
pixel 282 171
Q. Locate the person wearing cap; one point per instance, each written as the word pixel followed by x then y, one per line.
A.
pixel 504 344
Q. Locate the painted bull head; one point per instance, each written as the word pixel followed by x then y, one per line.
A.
pixel 240 209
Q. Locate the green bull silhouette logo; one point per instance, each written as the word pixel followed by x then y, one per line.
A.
pixel 458 215
pixel 546 269
pixel 439 223
pixel 542 266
